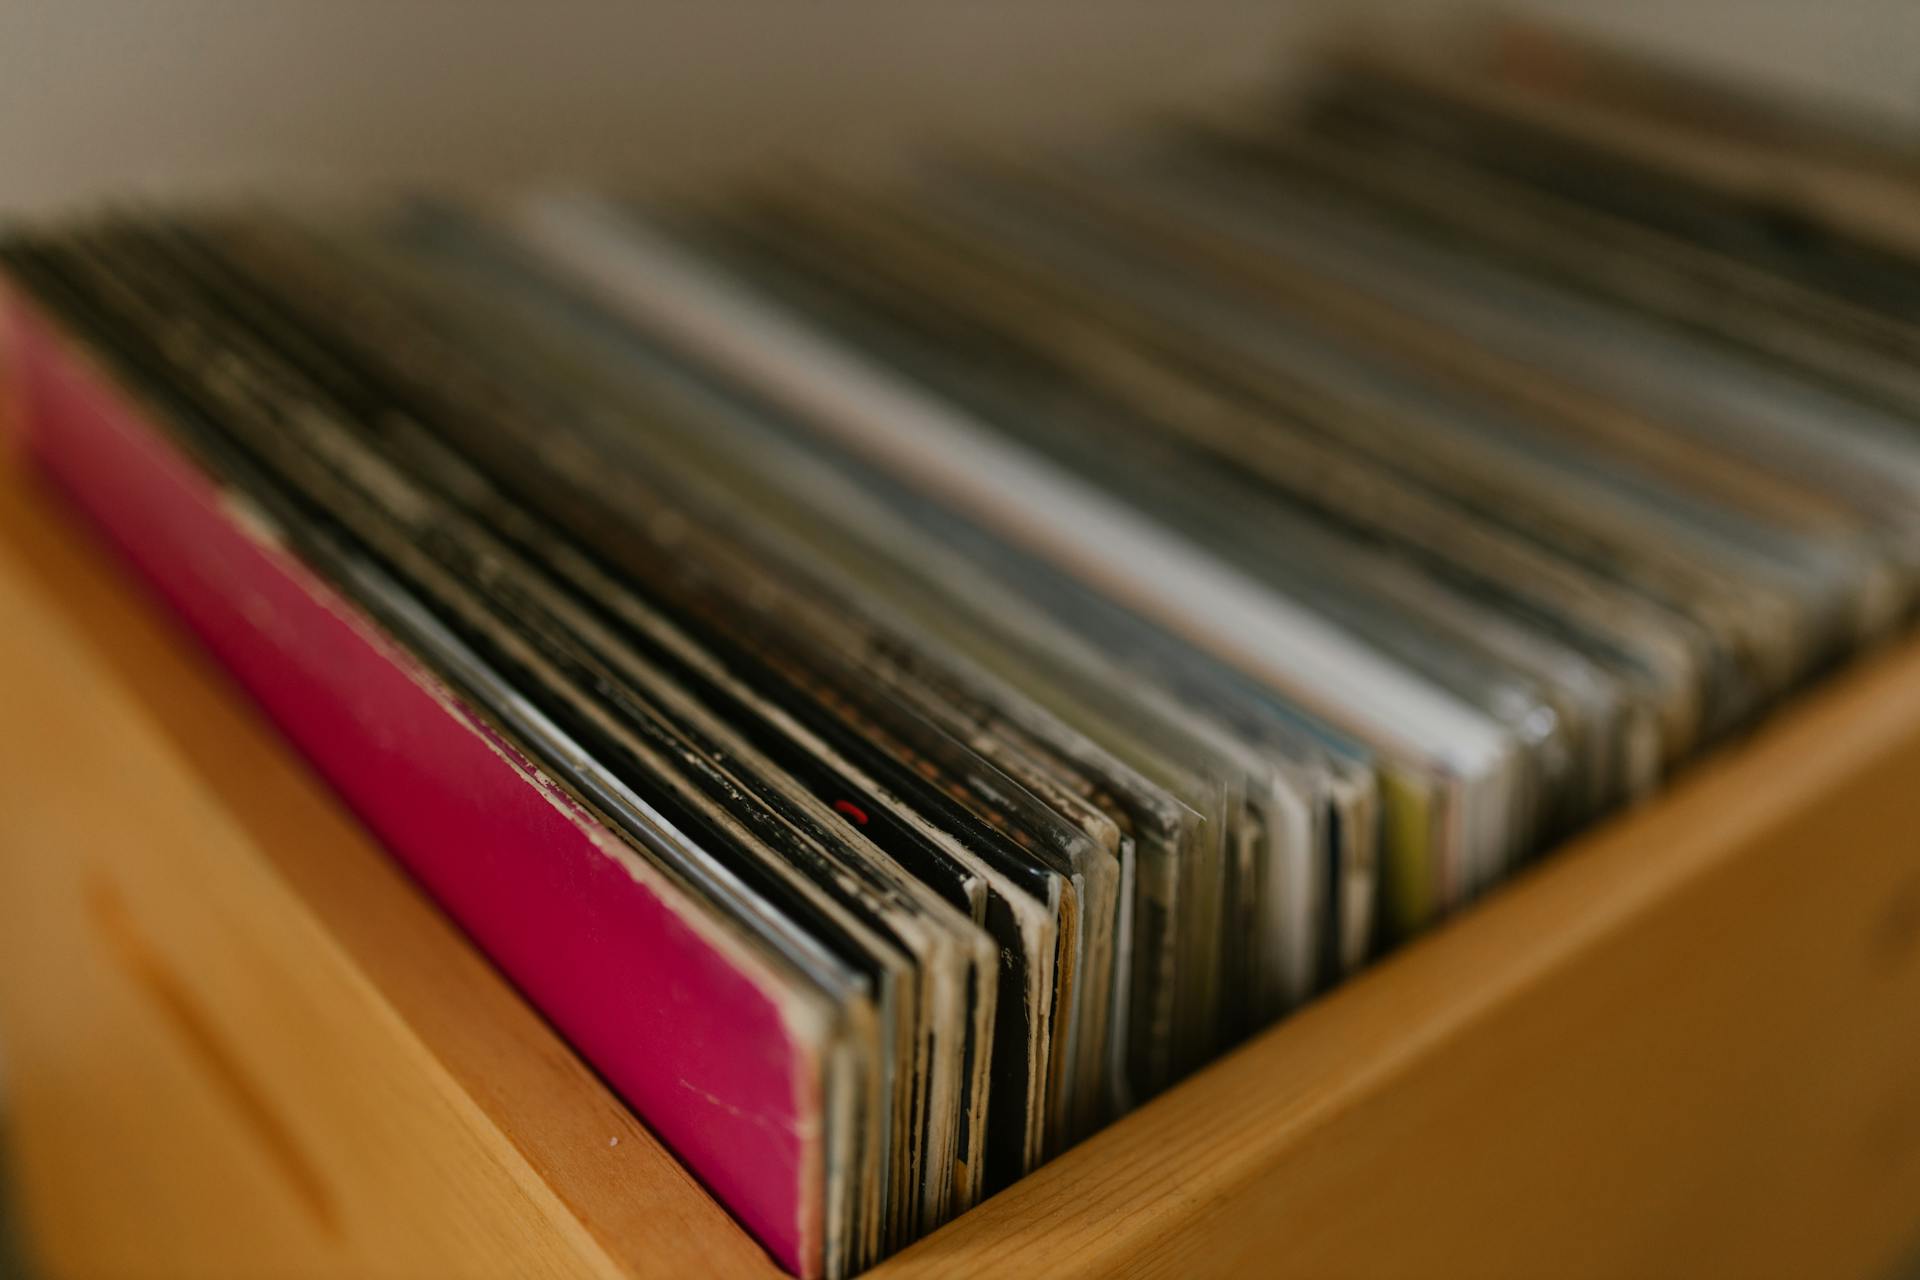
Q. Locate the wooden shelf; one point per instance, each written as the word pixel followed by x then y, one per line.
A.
pixel 238 1041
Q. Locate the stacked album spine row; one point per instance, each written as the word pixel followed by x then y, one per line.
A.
pixel 901 675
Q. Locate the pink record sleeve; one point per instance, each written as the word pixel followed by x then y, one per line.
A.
pixel 713 1045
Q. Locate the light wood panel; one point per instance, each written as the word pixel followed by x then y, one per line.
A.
pixel 239 1041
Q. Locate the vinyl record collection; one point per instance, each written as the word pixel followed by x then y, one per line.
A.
pixel 1034 623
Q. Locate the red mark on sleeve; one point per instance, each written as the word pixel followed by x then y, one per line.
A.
pixel 851 810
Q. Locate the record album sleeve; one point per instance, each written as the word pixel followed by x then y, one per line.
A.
pixel 721 1048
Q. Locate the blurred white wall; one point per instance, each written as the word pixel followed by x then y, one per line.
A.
pixel 100 97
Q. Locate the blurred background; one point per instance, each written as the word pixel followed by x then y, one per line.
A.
pixel 193 95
